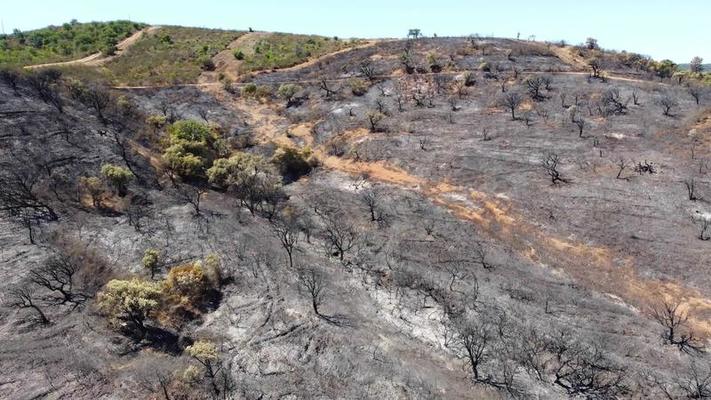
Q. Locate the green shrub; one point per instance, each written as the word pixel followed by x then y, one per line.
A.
pixel 239 54
pixel 157 121
pixel 249 90
pixel 130 302
pixel 359 87
pixel 287 91
pixel 150 260
pixel 192 148
pixel 117 177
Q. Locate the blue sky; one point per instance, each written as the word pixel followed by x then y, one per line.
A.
pixel 677 29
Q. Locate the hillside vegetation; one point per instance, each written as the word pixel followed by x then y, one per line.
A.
pixel 169 55
pixel 61 43
pixel 281 50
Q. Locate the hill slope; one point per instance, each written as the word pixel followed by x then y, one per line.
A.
pixel 438 218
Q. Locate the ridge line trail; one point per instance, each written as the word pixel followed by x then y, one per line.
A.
pixel 97 59
pixel 205 84
pixel 605 270
pixel 227 64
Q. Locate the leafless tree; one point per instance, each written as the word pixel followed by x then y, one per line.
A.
pixel 676 329
pixel 705 224
pixel 696 382
pixel 23 297
pixel 612 102
pixel 563 96
pixel 550 165
pixel 20 199
pixel 58 276
pixel 203 112
pixel 584 370
pixel 381 106
pixel 312 281
pixel 695 92
pixel 424 142
pixel 340 235
pixel 45 84
pixel 534 86
pixel 286 230
pixel 691 188
pixel 327 88
pixel 191 194
pixel 98 98
pixel 667 103
pixel 580 123
pixel 11 78
pixel 547 82
pixel 635 97
pixel 371 198
pixel 621 165
pixel 367 69
pixel 511 100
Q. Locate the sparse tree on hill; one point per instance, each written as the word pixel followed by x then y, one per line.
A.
pixel 341 235
pixel 591 43
pixel 691 188
pixel 11 78
pixel 511 100
pixel 668 104
pixel 374 118
pixel 550 165
pixel 45 84
pixel 676 329
pixel 286 230
pixel 696 65
pixel 312 281
pixel 596 66
pixel 98 98
pixel 58 276
pixel 695 92
pixel 23 297
pixel 371 198
pixel 327 88
pixel 367 69
pixel 581 124
pixel 534 86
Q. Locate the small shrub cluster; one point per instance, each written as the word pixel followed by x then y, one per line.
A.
pixel 187 289
pixel 192 147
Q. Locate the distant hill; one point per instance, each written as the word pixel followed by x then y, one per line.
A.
pixel 707 67
pixel 66 42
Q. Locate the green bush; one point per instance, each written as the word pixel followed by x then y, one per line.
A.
pixel 359 87
pixel 249 90
pixel 287 91
pixel 192 148
pixel 239 55
pixel 117 177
